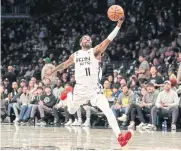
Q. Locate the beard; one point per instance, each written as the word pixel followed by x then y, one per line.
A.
pixel 88 45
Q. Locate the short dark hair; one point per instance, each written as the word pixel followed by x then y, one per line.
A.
pixel 47 87
pixel 39 88
pixel 116 86
pixel 124 85
pixel 150 85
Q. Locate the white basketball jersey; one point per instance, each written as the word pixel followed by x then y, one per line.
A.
pixel 87 68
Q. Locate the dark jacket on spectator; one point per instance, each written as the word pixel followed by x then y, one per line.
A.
pixel 14 96
pixel 49 100
pixel 36 99
pixel 11 76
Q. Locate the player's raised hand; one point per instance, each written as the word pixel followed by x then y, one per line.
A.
pixel 120 21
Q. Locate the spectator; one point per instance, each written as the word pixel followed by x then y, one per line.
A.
pixel 125 99
pixel 115 94
pixel 88 110
pixel 35 101
pixel 179 70
pixel 122 82
pixel 21 72
pixel 32 87
pixel 46 104
pixel 29 73
pixel 22 83
pixel 115 75
pixel 33 79
pixel 13 96
pixel 45 69
pixel 155 78
pixel 10 75
pixel 134 108
pixel 167 102
pixel 17 105
pixel 110 79
pixel 3 103
pixel 7 87
pixel 58 90
pixel 37 73
pixel 25 107
pixel 107 90
pixel 143 71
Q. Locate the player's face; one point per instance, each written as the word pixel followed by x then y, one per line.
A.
pixel 86 42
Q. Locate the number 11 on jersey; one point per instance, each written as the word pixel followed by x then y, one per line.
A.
pixel 87 70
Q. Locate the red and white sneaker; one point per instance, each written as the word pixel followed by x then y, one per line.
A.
pixel 123 138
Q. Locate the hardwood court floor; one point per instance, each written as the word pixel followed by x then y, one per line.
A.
pixel 67 138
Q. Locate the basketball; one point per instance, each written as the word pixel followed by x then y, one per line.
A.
pixel 115 12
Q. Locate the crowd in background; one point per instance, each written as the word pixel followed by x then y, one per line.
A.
pixel 151 33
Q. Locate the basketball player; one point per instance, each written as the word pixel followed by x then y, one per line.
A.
pixel 87 81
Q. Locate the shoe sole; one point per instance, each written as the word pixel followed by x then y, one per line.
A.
pixel 122 120
pixel 124 138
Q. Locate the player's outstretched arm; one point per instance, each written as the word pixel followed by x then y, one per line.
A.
pixel 103 45
pixel 64 65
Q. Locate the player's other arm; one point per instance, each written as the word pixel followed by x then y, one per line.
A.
pixel 64 65
pixel 103 45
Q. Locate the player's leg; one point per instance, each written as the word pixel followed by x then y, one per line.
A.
pixel 103 104
pixel 73 105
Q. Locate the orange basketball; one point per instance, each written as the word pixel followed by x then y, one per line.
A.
pixel 115 12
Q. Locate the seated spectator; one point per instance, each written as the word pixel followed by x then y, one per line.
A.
pixel 22 83
pixel 88 110
pixel 155 78
pixel 58 90
pixel 35 101
pixel 167 103
pixel 110 79
pixel 122 82
pixel 25 107
pixel 141 108
pixel 62 106
pixel 17 105
pixel 179 70
pixel 33 79
pixel 107 90
pixel 41 84
pixel 3 103
pixel 115 94
pixel 13 97
pixel 7 87
pixel 125 99
pixel 32 87
pixel 46 104
pixel 119 78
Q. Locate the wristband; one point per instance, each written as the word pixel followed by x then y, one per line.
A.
pixel 114 33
